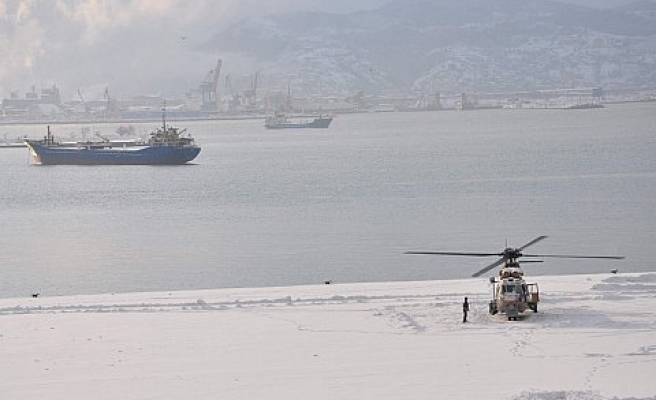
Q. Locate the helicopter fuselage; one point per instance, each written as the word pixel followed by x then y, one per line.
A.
pixel 511 294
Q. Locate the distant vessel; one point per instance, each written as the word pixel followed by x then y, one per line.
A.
pixel 583 106
pixel 8 144
pixel 166 146
pixel 12 145
pixel 281 121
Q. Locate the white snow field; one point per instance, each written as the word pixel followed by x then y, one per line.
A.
pixel 593 338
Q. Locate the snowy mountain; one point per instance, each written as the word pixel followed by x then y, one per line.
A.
pixel 446 46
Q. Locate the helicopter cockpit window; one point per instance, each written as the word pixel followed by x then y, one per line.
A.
pixel 508 288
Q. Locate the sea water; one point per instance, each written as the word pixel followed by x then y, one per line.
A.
pixel 271 208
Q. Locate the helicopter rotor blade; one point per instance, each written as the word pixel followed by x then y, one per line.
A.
pixel 489 267
pixel 451 253
pixel 532 242
pixel 573 256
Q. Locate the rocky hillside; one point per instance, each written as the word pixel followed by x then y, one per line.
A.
pixel 447 46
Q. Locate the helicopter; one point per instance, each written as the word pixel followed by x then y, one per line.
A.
pixel 511 294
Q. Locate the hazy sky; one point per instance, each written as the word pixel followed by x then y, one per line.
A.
pixel 126 45
pixel 96 43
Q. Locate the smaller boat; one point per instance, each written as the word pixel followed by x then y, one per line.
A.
pixel 583 106
pixel 281 121
pixel 8 144
pixel 12 145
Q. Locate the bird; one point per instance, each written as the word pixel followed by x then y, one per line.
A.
pixel 614 270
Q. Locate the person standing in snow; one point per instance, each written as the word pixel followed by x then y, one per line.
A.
pixel 465 310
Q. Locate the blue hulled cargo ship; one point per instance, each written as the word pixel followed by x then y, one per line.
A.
pixel 165 146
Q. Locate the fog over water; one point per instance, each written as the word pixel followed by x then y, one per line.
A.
pixel 262 208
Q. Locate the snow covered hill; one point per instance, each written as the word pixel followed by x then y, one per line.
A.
pixel 445 46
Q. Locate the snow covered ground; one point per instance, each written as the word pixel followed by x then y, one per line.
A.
pixel 594 338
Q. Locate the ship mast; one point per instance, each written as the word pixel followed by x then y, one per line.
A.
pixel 164 116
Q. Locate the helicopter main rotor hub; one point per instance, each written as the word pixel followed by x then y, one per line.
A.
pixel 511 254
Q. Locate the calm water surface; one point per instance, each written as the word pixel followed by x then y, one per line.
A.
pixel 263 208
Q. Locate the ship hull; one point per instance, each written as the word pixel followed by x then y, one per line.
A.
pixel 98 155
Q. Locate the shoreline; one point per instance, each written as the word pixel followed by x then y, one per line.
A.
pixel 309 286
pixel 172 117
pixel 346 287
